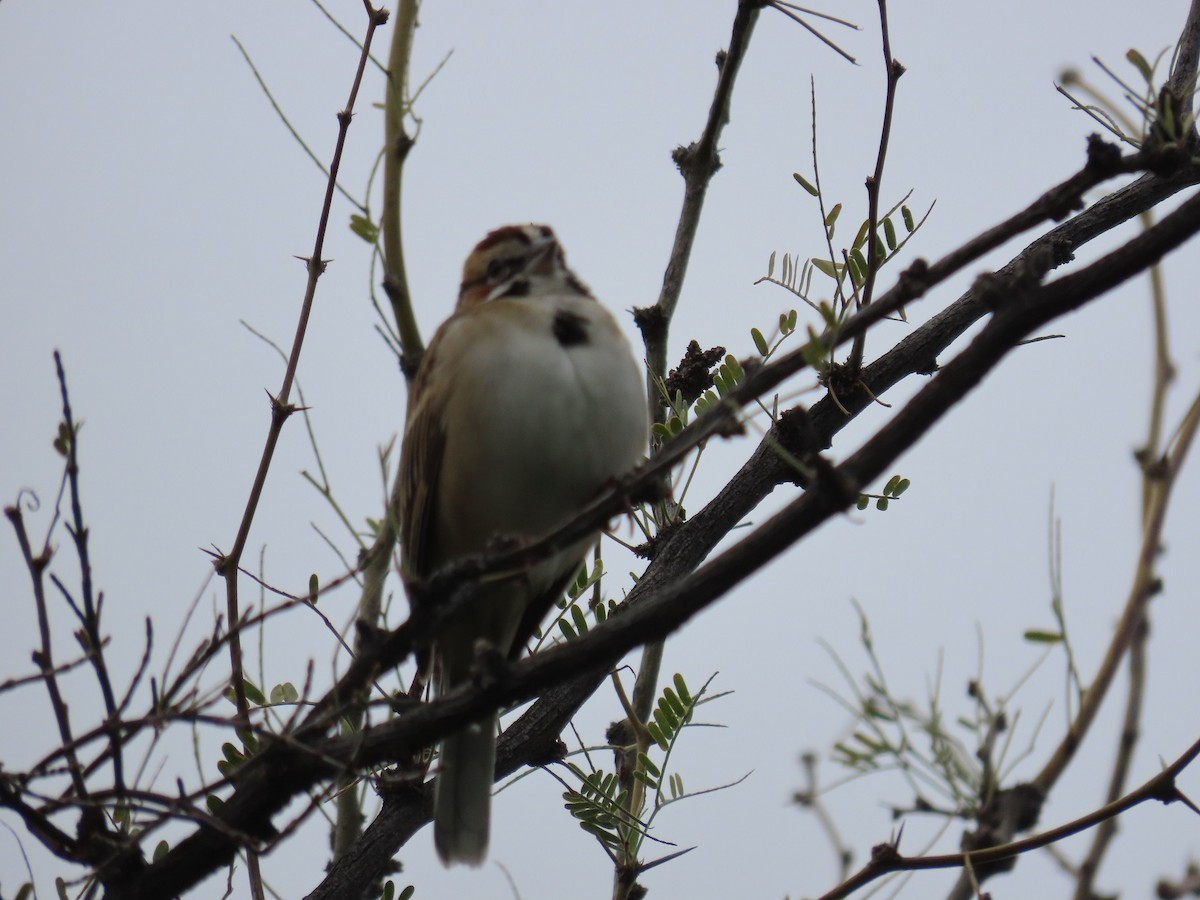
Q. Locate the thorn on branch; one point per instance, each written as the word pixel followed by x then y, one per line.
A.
pixel 311 265
pixel 280 412
pixel 378 15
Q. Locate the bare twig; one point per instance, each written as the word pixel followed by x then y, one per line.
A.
pixel 36 564
pixel 894 70
pixel 227 565
pixel 281 408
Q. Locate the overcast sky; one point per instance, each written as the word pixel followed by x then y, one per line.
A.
pixel 150 199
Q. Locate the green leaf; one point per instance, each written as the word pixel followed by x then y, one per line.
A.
pixel 826 267
pixel 24 892
pixel 645 778
pixel 858 274
pixel 891 484
pixel 314 588
pixel 889 233
pixel 214 803
pixel 1037 636
pixel 859 258
pixel 656 733
pixel 805 183
pixel 814 352
pixel 253 694
pixel 861 237
pixel 734 368
pixel 869 742
pixel 760 342
pixel 672 699
pixel 906 214
pixel 831 219
pixel 648 764
pixel 771 265
pixel 863 501
pixel 1139 62
pixel 901 486
pixel 407 893
pixel 881 504
pixel 364 228
pixel 681 688
pixel 61 887
pixel 565 627
pixel 249 741
pixel 667 720
pixel 579 620
pixel 161 849
pixel 287 693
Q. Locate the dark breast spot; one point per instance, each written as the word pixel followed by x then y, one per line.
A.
pixel 570 329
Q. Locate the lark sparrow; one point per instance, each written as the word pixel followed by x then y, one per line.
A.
pixel 527 402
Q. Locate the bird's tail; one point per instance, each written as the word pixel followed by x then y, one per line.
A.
pixel 462 798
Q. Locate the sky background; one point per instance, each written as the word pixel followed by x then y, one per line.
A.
pixel 151 200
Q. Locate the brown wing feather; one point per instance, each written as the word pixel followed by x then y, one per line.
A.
pixel 420 467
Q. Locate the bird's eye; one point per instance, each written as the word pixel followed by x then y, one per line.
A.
pixel 498 269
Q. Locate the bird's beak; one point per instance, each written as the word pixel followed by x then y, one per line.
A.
pixel 542 261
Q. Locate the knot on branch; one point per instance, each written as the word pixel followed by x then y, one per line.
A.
pixel 885 856
pixel 698 159
pixel 796 434
pixel 999 290
pixel 651 323
pixel 650 549
pixel 1008 813
pixel 1165 158
pixel 1103 158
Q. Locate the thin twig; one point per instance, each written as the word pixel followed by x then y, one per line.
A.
pixel 894 70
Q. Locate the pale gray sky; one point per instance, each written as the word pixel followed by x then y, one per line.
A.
pixel 150 199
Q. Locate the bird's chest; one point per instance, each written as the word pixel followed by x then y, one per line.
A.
pixel 549 409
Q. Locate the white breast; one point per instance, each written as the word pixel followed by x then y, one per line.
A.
pixel 537 426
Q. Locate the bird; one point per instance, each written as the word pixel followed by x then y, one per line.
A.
pixel 527 403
